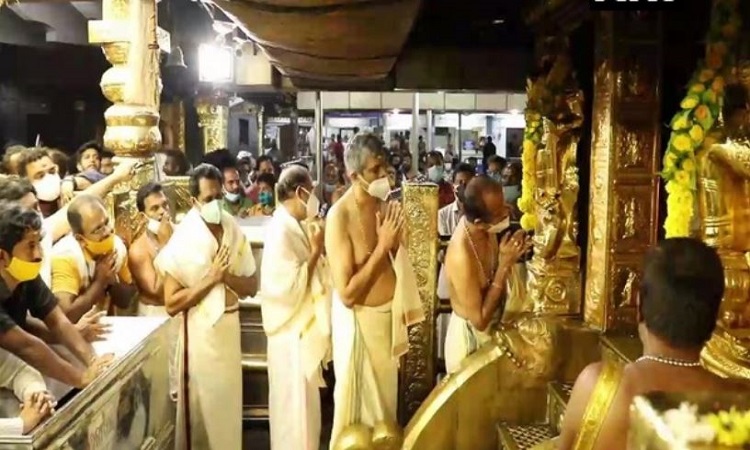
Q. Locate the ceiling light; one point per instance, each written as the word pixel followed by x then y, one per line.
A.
pixel 395 111
pixel 515 112
pixel 498 21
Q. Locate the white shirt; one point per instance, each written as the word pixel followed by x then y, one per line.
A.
pixel 448 217
pixel 23 380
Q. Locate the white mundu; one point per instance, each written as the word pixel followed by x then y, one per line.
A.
pixel 296 318
pixel 23 380
pixel 208 348
pixel 367 344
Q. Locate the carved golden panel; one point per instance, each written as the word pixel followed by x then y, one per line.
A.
pixel 622 310
pixel 637 75
pixel 634 148
pixel 632 230
pixel 417 377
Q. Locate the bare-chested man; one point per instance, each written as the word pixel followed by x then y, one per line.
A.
pixel 477 267
pixel 681 290
pixel 153 204
pixel 361 232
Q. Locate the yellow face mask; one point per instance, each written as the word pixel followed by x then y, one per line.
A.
pixel 24 270
pixel 102 247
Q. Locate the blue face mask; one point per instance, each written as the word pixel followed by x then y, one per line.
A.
pixel 495 176
pixel 436 174
pixel 511 193
pixel 266 198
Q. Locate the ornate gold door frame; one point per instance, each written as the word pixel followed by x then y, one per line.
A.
pixel 625 153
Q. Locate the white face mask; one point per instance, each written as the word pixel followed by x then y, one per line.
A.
pixel 500 226
pixel 379 188
pixel 211 212
pixel 232 197
pixel 48 188
pixel 153 225
pixel 312 206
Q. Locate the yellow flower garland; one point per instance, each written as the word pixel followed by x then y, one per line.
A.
pixel 692 126
pixel 532 139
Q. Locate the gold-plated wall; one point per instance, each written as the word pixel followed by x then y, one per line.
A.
pixel 213 119
pixel 418 372
pixel 625 149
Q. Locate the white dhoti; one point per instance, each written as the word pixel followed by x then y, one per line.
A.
pixel 147 310
pixel 210 376
pixel 366 371
pixel 294 400
pixel 461 340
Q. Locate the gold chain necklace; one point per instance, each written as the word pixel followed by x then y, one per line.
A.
pixel 669 361
pixel 476 255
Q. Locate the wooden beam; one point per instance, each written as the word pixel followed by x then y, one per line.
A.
pixel 298 62
pixel 369 30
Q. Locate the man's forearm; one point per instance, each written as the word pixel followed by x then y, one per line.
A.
pixel 39 356
pixel 495 292
pixel 187 298
pixel 83 303
pixel 40 330
pixel 242 286
pixel 67 334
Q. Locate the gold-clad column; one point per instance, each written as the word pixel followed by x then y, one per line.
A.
pixel 173 125
pixel 554 276
pixel 127 33
pixel 213 119
pixel 623 209
pixel 418 371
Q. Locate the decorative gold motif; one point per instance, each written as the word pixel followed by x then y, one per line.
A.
pixel 418 373
pixel 213 118
pixel 554 272
pixel 623 199
pixel 178 191
pixel 173 125
pixel 723 210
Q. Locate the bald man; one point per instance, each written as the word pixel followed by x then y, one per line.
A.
pixel 478 265
pixel 89 266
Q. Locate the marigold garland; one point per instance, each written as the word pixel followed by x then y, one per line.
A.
pixel 532 139
pixel 692 127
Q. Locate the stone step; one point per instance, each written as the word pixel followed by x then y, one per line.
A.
pixel 558 395
pixel 523 437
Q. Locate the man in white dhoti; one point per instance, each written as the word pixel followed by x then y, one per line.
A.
pixel 207 267
pixel 375 296
pixel 296 308
pixel 478 267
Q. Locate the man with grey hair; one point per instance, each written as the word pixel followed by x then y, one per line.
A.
pixel 374 292
pixel 296 306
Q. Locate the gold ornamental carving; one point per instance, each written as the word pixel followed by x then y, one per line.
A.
pixel 723 210
pixel 554 271
pixel 418 372
pixel 623 202
pixel 213 119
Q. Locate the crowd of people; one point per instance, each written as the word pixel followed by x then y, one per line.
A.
pixel 337 284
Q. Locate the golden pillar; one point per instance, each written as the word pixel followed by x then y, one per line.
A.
pixel 173 125
pixel 213 119
pixel 128 36
pixel 418 372
pixel 554 277
pixel 623 209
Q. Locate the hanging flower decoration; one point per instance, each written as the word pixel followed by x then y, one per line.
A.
pixel 532 140
pixel 727 428
pixel 693 126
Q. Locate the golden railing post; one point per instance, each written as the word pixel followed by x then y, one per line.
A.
pixel 625 148
pixel 213 119
pixel 128 36
pixel 418 372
